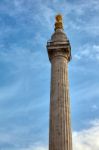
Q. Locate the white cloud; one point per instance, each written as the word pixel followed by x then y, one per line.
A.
pixel 87 139
pixel 88 51
pixel 24 12
pixel 82 16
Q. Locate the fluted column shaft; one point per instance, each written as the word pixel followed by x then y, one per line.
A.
pixel 60 128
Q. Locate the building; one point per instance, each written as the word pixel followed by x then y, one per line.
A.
pixel 59 52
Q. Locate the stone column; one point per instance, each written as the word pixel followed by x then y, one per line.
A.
pixel 60 128
pixel 59 52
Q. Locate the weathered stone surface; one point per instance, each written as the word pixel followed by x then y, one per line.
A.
pixel 60 129
pixel 60 137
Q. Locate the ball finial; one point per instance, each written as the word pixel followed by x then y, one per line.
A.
pixel 58 23
pixel 59 18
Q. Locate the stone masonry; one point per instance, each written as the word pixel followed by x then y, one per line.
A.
pixel 59 52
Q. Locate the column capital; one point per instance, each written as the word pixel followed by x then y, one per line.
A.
pixel 61 49
pixel 59 44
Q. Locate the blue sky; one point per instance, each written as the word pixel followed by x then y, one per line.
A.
pixel 25 27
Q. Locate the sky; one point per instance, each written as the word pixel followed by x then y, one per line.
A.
pixel 25 28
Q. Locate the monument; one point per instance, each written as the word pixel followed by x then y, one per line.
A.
pixel 59 52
